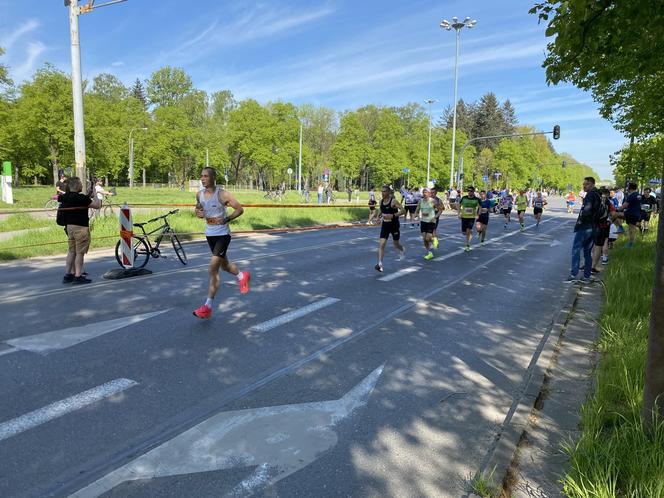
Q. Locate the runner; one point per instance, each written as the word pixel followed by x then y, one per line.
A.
pixel 372 206
pixel 483 218
pixel 426 211
pixel 211 204
pixel 390 210
pixel 506 207
pixel 571 201
pixel 538 207
pixel 631 212
pixel 440 207
pixel 469 207
pixel 648 202
pixel 521 205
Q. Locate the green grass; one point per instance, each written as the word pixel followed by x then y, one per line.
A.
pixel 23 221
pixel 105 230
pixel 614 456
pixel 36 197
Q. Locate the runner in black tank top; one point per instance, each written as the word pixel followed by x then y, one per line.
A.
pixel 391 210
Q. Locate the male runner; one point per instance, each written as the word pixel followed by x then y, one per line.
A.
pixel 571 201
pixel 631 209
pixel 390 210
pixel 211 204
pixel 440 206
pixel 469 207
pixel 483 218
pixel 648 207
pixel 538 207
pixel 506 207
pixel 426 211
pixel 521 205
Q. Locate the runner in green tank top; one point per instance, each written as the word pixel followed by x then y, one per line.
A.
pixel 521 205
pixel 469 207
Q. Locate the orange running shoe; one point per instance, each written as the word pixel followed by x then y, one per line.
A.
pixel 203 312
pixel 244 282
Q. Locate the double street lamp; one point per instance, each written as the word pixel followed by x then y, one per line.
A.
pixel 457 26
pixel 430 102
pixel 131 156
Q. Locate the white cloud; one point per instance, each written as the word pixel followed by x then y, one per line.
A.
pixel 117 63
pixel 8 41
pixel 27 68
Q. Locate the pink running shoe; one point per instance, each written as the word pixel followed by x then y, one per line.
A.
pixel 244 282
pixel 203 312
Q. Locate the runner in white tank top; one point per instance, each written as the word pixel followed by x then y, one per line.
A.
pixel 211 205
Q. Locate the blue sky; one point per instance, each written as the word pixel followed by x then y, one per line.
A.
pixel 337 53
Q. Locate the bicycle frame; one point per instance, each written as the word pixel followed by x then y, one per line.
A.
pixel 163 229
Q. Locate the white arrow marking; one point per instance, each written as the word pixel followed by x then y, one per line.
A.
pixel 64 338
pixel 278 440
pixel 556 243
pixel 292 315
pixel 59 408
pixel 400 273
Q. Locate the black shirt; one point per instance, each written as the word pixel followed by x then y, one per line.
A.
pixel 61 185
pixel 77 217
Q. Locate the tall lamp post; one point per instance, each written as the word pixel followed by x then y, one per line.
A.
pixel 131 156
pixel 299 164
pixel 430 102
pixel 457 26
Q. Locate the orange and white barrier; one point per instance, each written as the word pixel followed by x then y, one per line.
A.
pixel 126 232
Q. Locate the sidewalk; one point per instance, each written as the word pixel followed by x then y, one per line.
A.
pixel 539 461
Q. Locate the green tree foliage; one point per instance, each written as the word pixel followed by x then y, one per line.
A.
pixel 168 86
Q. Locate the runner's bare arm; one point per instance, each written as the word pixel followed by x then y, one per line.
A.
pixel 397 205
pixel 228 200
pixel 198 210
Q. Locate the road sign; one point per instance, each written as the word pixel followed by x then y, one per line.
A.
pixel 485 178
pixel 405 170
pixel 289 171
pixel 497 174
pixel 433 180
pixel 655 181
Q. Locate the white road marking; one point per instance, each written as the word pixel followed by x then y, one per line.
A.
pixel 61 339
pixel 245 438
pixel 293 315
pixel 59 408
pixel 400 273
pixel 8 351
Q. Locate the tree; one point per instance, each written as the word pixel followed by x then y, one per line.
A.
pixel 614 49
pixel 168 86
pixel 138 93
pixel 350 152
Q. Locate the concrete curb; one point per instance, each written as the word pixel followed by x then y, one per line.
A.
pixel 500 456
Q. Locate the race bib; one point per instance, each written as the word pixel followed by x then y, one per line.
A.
pixel 468 210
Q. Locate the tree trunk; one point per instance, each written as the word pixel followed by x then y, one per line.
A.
pixel 653 393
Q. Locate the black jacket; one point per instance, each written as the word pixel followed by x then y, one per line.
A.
pixel 588 217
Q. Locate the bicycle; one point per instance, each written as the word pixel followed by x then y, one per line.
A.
pixel 143 247
pixel 52 205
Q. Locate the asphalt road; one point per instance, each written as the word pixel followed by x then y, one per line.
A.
pixel 327 379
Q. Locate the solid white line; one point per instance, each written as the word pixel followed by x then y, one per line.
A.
pixel 292 315
pixel 59 408
pixel 8 351
pixel 400 273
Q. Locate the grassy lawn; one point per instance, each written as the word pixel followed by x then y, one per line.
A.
pixel 614 457
pixel 22 221
pixel 105 230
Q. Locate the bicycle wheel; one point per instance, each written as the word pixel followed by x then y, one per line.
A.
pixel 52 207
pixel 108 210
pixel 179 250
pixel 141 252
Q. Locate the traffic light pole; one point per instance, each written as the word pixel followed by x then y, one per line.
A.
pixel 77 92
pixel 555 132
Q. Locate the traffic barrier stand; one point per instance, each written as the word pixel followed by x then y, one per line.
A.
pixel 126 249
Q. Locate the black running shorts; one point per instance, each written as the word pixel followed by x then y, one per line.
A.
pixel 537 210
pixel 467 224
pixel 483 219
pixel 219 244
pixel 631 219
pixel 521 211
pixel 411 208
pixel 601 234
pixel 427 227
pixel 506 211
pixel 390 228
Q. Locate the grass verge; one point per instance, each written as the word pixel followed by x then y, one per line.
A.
pixel 105 231
pixel 24 221
pixel 614 457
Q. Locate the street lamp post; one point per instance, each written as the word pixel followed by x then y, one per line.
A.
pixel 299 164
pixel 131 157
pixel 457 26
pixel 430 102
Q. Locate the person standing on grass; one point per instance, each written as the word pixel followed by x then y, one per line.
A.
pixel 77 227
pixel 648 208
pixel 585 230
pixel 601 249
pixel 631 212
pixel 61 185
pixel 320 193
pixel 211 204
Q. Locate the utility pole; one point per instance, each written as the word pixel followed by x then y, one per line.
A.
pixel 430 102
pixel 299 164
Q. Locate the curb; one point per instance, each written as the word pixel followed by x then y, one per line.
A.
pixel 499 458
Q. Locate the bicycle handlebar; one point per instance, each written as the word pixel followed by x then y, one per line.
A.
pixel 163 216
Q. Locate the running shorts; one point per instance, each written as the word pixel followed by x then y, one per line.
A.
pixel 390 228
pixel 601 235
pixel 218 244
pixel 427 227
pixel 645 215
pixel 483 219
pixel 632 219
pixel 537 210
pixel 411 208
pixel 467 224
pixel 520 211
pixel 506 211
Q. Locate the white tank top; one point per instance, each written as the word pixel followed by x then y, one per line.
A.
pixel 213 208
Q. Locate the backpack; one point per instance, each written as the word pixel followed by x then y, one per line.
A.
pixel 601 213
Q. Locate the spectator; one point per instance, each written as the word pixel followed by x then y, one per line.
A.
pixel 372 205
pixel 77 229
pixel 61 185
pixel 620 196
pixel 320 193
pixel 601 249
pixel 631 210
pixel 349 191
pixel 648 207
pixel 585 231
pixel 357 195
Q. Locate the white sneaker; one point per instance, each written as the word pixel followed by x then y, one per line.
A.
pixel 402 254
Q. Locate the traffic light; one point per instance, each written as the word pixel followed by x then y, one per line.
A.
pixel 556 132
pixel 564 163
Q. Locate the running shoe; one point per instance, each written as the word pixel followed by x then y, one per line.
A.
pixel 428 256
pixel 523 227
pixel 244 282
pixel 80 280
pixel 505 226
pixel 435 243
pixel 571 279
pixel 605 260
pixel 594 271
pixel 586 280
pixel 467 248
pixel 203 312
pixel 482 243
pixel 68 278
pixel 379 267
pixel 402 254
